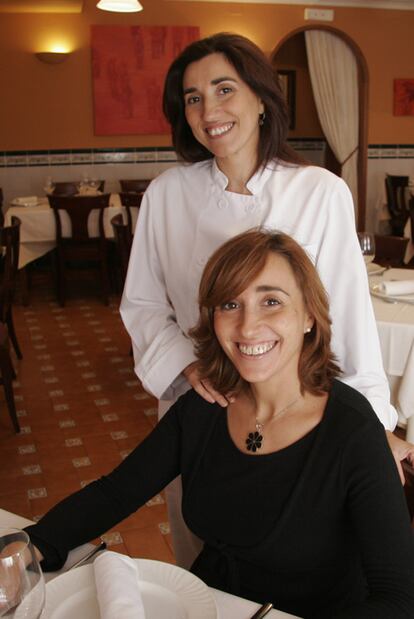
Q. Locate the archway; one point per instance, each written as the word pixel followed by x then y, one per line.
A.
pixel 363 80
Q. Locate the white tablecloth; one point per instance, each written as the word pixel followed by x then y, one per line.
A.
pixel 395 322
pixel 38 228
pixel 228 606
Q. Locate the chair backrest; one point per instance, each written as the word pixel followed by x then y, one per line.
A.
pixel 130 200
pixel 390 250
pixel 78 209
pixel 9 244
pixel 396 187
pixel 409 488
pixel 1 208
pixel 123 239
pixel 65 188
pixel 135 185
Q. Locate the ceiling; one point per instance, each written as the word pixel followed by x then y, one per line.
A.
pixel 407 5
pixel 41 6
pixel 76 6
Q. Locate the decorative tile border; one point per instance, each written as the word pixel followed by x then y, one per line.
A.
pixel 164 154
pixel 391 151
pixel 85 156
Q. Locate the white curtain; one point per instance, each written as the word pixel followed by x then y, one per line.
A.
pixel 334 77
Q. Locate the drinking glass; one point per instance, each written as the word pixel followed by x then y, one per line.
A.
pixel 94 184
pixel 367 245
pixel 22 587
pixel 49 185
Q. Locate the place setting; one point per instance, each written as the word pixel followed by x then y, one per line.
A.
pixel 117 586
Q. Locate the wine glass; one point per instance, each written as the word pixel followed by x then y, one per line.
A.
pixel 367 245
pixel 22 587
pixel 94 184
pixel 49 185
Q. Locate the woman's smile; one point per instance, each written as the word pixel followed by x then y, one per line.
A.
pixel 219 130
pixel 256 350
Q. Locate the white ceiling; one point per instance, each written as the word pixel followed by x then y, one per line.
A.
pixel 76 6
pixel 407 5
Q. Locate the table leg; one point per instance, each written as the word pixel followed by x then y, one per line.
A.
pixel 410 430
pixel 24 285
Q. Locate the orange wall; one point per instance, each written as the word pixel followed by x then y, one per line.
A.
pixel 49 107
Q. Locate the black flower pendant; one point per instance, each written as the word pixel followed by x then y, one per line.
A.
pixel 254 441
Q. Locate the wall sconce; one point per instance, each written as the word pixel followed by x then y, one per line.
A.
pixel 52 57
pixel 120 6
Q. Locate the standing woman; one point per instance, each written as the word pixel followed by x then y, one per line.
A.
pixel 229 126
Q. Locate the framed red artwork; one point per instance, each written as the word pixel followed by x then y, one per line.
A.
pixel 129 64
pixel 404 97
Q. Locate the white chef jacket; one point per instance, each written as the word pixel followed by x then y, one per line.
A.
pixel 186 214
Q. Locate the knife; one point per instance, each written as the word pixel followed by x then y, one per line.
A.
pixel 90 554
pixel 263 610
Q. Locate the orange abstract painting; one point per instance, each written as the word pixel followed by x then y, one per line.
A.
pixel 404 97
pixel 129 64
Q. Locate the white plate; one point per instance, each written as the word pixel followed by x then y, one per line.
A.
pixel 168 592
pixel 21 202
pixel 375 269
pixel 400 298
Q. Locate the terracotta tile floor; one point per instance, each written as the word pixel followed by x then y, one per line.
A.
pixel 81 410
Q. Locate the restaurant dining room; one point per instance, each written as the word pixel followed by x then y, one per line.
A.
pixel 207 309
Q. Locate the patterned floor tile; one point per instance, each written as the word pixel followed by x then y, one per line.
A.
pixel 81 409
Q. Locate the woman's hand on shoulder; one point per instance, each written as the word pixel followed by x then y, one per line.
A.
pixel 204 387
pixel 401 450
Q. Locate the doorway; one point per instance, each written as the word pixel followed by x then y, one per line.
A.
pixel 290 53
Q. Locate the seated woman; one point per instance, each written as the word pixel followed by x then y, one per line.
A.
pixel 293 487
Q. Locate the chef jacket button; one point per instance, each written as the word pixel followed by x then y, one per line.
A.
pixel 222 203
pixel 249 207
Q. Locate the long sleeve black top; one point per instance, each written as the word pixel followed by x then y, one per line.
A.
pixel 320 528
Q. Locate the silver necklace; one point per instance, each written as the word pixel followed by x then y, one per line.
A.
pixel 255 439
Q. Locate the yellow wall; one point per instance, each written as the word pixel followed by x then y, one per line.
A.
pixel 49 107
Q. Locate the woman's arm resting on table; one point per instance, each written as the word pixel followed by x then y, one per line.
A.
pixel 88 513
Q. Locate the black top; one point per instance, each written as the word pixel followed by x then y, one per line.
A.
pixel 320 528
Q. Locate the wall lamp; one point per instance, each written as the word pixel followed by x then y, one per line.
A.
pixel 52 57
pixel 120 6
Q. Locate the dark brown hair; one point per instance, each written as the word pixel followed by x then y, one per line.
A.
pixel 229 271
pixel 256 71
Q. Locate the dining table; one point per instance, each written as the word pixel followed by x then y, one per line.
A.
pixel 395 322
pixel 228 606
pixel 38 228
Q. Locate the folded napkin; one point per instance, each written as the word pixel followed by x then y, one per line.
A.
pixel 117 586
pixel 89 191
pixel 26 201
pixel 402 286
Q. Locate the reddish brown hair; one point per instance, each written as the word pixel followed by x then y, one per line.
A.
pixel 228 272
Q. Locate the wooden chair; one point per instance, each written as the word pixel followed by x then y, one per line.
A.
pixel 1 208
pixel 123 240
pixel 135 185
pixel 71 188
pixel 65 189
pixel 390 250
pixel 396 191
pixel 7 375
pixel 9 248
pixel 409 488
pixel 80 246
pixel 130 201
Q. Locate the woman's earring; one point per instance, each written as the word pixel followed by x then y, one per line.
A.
pixel 308 330
pixel 262 118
